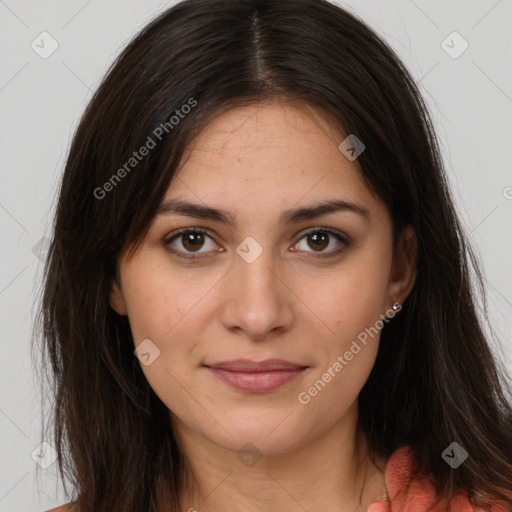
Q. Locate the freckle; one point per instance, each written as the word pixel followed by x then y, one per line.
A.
pixel 338 323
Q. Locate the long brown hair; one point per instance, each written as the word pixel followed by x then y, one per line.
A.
pixel 435 380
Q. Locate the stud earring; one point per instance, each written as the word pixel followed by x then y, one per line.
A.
pixel 395 307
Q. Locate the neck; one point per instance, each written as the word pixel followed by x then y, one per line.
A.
pixel 329 472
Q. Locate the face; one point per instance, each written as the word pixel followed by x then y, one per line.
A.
pixel 263 279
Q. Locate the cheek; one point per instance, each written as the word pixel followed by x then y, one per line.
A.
pixel 145 306
pixel 162 302
pixel 350 304
pixel 347 355
pixel 347 301
pixel 170 308
pixel 163 306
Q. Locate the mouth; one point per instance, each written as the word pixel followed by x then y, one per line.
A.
pixel 254 376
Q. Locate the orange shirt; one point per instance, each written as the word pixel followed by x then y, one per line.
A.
pixel 406 495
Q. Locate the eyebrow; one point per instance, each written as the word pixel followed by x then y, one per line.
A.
pixel 180 207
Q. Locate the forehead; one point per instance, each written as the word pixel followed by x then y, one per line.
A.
pixel 265 154
pixel 272 128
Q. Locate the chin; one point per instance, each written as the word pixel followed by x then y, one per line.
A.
pixel 258 445
pixel 269 436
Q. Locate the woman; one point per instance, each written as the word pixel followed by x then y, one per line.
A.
pixel 258 292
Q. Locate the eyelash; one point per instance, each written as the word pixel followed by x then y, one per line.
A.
pixel 185 231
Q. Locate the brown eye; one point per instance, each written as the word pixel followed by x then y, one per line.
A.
pixel 192 241
pixel 188 242
pixel 320 239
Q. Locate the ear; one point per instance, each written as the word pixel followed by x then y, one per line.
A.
pixel 117 300
pixel 404 269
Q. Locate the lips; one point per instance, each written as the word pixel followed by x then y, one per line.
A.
pixel 256 376
pixel 246 365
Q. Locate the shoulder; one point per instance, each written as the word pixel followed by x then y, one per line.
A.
pixel 64 508
pixel 407 493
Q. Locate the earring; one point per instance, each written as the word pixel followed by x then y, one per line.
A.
pixel 395 307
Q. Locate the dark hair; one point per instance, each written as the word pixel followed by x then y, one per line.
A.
pixel 435 379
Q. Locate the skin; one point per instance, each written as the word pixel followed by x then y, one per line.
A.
pixel 293 302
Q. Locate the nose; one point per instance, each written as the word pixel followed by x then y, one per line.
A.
pixel 257 300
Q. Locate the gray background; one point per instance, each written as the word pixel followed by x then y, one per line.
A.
pixel 42 99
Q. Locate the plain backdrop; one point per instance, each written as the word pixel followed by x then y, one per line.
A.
pixel 469 92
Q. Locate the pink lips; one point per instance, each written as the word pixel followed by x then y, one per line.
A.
pixel 256 376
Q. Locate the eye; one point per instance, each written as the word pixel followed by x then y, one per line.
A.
pixel 188 241
pixel 321 238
